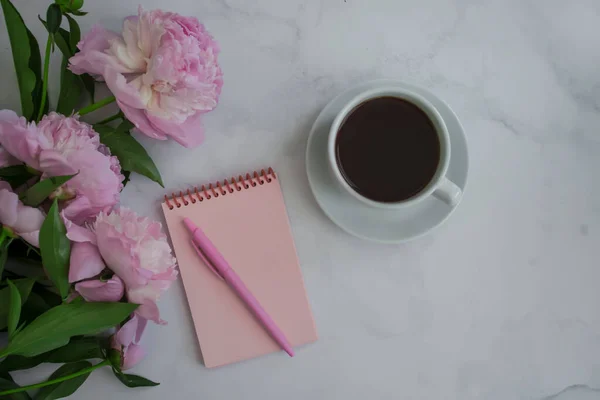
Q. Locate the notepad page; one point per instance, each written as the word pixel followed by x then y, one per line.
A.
pixel 250 228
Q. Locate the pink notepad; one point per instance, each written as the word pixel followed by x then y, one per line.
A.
pixel 246 220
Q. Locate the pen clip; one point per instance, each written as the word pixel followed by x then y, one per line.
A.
pixel 206 260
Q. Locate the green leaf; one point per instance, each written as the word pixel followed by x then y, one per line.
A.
pixel 70 90
pixel 133 381
pixel 24 287
pixel 33 307
pixel 55 327
pixel 26 58
pixel 16 363
pixel 78 349
pixel 16 175
pixel 20 328
pixel 35 64
pixel 90 85
pixel 53 18
pixel 125 126
pixel 55 248
pixel 77 300
pixel 50 298
pixel 131 154
pixel 74 33
pixel 71 85
pixel 6 383
pixel 83 348
pixel 35 195
pixel 14 310
pixel 64 388
pixel 3 257
pixel 62 40
pixel 78 13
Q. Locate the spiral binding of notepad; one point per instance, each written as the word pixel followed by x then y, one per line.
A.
pixel 220 188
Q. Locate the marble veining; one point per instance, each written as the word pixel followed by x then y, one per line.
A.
pixel 501 302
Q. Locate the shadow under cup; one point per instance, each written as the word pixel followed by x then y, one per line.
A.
pixel 390 148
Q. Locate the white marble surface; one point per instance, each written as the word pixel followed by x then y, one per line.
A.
pixel 500 303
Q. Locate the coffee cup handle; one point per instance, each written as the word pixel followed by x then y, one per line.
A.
pixel 448 192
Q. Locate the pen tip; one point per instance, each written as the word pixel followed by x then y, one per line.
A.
pixel 189 224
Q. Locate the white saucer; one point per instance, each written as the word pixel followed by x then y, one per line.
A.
pixel 361 220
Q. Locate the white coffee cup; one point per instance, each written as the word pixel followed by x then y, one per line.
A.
pixel 439 186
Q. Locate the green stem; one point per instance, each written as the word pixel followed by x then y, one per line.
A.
pixel 57 380
pixel 3 235
pixel 109 119
pixel 45 81
pixel 97 105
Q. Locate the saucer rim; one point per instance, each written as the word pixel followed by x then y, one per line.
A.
pixel 388 83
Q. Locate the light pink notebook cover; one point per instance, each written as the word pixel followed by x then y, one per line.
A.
pixel 250 228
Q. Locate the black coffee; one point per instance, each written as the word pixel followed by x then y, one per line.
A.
pixel 387 149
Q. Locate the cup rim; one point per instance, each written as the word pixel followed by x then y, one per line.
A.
pixel 418 101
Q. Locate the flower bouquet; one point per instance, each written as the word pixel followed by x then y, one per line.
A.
pixel 80 275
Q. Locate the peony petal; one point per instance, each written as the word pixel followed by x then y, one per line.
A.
pixel 33 238
pixel 97 180
pixel 150 291
pixel 93 57
pixel 96 290
pixel 86 261
pixel 53 163
pixel 126 333
pixel 118 257
pixel 29 219
pixel 140 120
pixel 20 139
pixel 149 310
pixel 77 233
pixel 9 203
pixel 127 50
pixel 5 186
pixel 142 322
pixel 80 210
pixel 132 355
pixel 167 276
pixel 25 221
pixel 189 134
pixel 127 94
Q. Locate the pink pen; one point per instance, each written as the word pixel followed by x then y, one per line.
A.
pixel 215 261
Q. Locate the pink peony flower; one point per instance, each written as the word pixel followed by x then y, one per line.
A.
pixel 61 145
pixel 134 248
pixel 162 69
pixel 126 340
pixel 23 220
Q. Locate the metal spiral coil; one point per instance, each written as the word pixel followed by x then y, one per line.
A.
pixel 220 188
